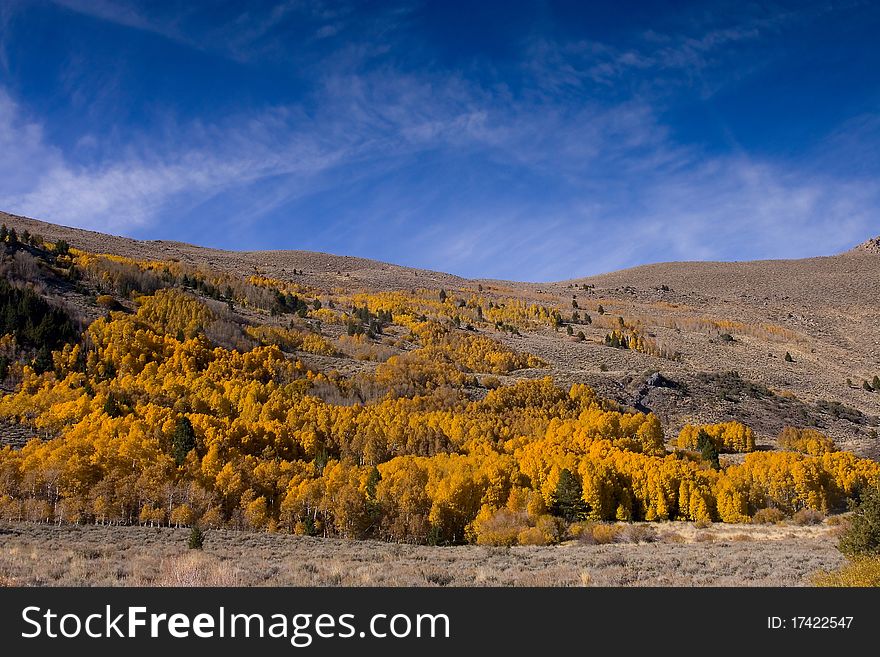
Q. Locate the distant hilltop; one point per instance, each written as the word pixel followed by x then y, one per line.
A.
pixel 871 246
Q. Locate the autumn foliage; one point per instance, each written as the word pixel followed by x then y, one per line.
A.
pixel 728 437
pixel 145 420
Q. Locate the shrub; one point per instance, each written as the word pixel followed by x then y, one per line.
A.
pixel 639 533
pixel 602 534
pixel 107 301
pixel 808 517
pixel 673 537
pixel 491 382
pixel 579 529
pixel 767 516
pixel 552 528
pixel 861 572
pixel 501 527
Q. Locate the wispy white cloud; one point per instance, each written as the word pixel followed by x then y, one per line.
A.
pixel 127 14
pixel 725 208
pixel 438 169
pixel 258 30
pixel 133 190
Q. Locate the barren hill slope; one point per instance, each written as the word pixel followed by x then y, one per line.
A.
pixel 317 267
pixel 723 329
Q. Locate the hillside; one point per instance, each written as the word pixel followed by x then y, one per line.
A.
pixel 158 383
pixel 721 317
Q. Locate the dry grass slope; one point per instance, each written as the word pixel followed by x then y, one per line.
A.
pixel 681 555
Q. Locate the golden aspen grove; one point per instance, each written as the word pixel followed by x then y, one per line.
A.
pixel 169 409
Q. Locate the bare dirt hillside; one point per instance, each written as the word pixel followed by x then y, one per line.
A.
pixel 724 328
pixel 317 268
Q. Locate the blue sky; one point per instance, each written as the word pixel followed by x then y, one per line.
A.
pixel 532 141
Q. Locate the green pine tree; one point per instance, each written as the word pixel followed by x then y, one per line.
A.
pixel 373 479
pixel 43 360
pixel 196 538
pixel 111 406
pixel 184 440
pixel 707 449
pixel 862 536
pixel 568 499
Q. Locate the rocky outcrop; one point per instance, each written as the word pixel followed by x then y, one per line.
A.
pixel 871 246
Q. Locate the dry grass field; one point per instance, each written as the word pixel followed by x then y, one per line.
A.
pixel 678 554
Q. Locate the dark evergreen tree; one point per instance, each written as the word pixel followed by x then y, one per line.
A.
pixel 196 538
pixel 708 450
pixel 111 406
pixel 373 479
pixel 568 501
pixel 43 360
pixel 862 535
pixel 183 441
